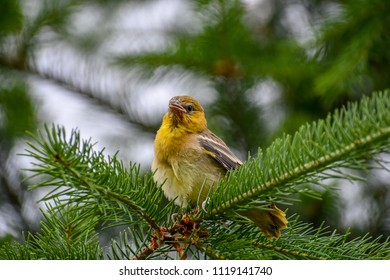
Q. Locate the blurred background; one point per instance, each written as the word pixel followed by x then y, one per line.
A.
pixel 260 68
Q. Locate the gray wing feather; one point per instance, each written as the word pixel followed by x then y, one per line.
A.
pixel 219 151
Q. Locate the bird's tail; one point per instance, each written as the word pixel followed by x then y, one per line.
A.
pixel 270 222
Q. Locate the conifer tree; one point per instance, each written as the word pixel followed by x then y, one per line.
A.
pixel 331 86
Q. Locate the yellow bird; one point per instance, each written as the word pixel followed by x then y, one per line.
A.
pixel 189 159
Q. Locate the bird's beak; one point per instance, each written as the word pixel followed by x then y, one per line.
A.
pixel 175 107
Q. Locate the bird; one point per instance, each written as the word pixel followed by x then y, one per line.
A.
pixel 189 159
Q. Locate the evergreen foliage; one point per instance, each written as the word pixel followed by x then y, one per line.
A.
pixel 90 192
pixel 308 57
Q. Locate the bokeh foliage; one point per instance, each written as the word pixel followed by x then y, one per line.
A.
pixel 307 57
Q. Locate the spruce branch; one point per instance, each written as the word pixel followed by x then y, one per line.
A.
pixel 344 139
pixel 80 174
pixel 299 241
pixel 66 234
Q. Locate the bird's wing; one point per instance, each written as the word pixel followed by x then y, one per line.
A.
pixel 217 149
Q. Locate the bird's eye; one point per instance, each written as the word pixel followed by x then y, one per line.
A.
pixel 189 108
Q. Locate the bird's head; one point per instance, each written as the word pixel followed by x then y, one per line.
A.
pixel 186 113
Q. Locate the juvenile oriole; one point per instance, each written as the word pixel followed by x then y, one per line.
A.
pixel 189 159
